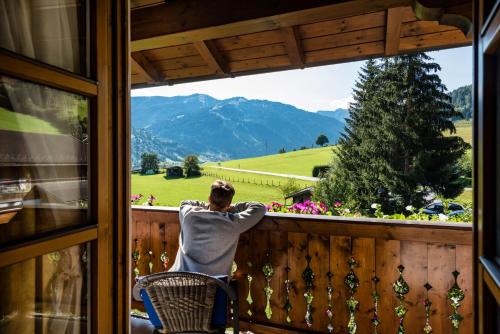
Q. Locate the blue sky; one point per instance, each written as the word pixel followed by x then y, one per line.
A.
pixel 312 89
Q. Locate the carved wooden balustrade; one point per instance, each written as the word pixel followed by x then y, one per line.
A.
pixel 303 263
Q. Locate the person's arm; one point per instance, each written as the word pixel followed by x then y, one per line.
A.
pixel 194 203
pixel 187 205
pixel 247 214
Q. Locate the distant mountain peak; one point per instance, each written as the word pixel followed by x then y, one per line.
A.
pixel 223 129
pixel 235 100
pixel 339 114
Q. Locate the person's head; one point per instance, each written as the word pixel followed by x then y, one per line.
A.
pixel 221 195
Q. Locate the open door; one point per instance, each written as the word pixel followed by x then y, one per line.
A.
pixel 487 164
pixel 63 166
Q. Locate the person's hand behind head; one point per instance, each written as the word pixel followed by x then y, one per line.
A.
pixel 221 195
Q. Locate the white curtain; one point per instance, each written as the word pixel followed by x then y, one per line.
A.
pixel 45 30
pixel 48 31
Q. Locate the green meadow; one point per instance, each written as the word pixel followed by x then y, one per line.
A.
pixel 299 162
pixel 13 121
pixel 251 186
pixel 170 192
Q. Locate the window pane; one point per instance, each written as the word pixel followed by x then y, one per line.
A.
pixel 53 296
pixel 51 31
pixel 43 159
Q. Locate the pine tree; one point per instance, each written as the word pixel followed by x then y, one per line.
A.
pixel 393 151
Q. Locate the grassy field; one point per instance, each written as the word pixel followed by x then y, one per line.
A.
pixel 249 186
pixel 13 121
pixel 464 130
pixel 466 196
pixel 170 192
pixel 296 162
pixel 244 177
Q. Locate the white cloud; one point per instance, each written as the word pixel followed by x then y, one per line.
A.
pixel 341 103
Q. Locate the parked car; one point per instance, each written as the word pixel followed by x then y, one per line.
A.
pixel 437 208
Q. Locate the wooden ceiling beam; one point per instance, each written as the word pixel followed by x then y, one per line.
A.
pixel 293 44
pixel 393 30
pixel 214 59
pixel 174 24
pixel 143 64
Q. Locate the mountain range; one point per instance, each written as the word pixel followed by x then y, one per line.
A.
pixel 213 129
pixel 216 130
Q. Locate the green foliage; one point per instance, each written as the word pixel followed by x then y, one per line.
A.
pixel 149 163
pixel 322 140
pixel 393 151
pixel 289 187
pixel 465 167
pixel 462 101
pixel 192 166
pixel 319 171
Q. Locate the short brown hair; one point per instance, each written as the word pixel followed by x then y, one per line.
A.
pixel 221 193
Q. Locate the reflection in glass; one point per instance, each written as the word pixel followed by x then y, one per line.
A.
pixel 51 31
pixel 53 296
pixel 43 159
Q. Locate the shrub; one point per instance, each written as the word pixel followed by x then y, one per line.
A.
pixel 149 163
pixel 320 170
pixel 322 140
pixel 192 166
pixel 289 187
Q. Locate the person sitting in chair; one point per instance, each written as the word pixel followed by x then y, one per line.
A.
pixel 210 231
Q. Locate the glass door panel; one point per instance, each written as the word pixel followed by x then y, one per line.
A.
pixel 47 294
pixel 43 159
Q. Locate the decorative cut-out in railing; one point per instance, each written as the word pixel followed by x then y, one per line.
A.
pixel 234 268
pixel 150 263
pixel 164 257
pixel 401 288
pixel 136 256
pixel 375 298
pixel 308 277
pixel 427 304
pixel 268 271
pixel 352 283
pixel 85 258
pixel 456 295
pixel 249 296
pixel 329 309
pixel 54 257
pixel 288 305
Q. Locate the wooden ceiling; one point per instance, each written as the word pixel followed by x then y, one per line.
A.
pixel 183 41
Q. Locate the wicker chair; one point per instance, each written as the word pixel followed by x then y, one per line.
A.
pixel 184 301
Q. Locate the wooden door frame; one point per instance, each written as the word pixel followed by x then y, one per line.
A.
pixel 486 36
pixel 109 114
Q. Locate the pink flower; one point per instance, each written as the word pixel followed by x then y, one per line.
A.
pixel 135 197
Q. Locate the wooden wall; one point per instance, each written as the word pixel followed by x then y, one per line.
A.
pixel 430 253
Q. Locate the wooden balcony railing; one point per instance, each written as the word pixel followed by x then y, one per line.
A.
pixel 429 251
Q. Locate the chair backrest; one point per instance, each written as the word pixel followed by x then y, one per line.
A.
pixel 183 301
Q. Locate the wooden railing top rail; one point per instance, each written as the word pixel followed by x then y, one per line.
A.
pixel 431 231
